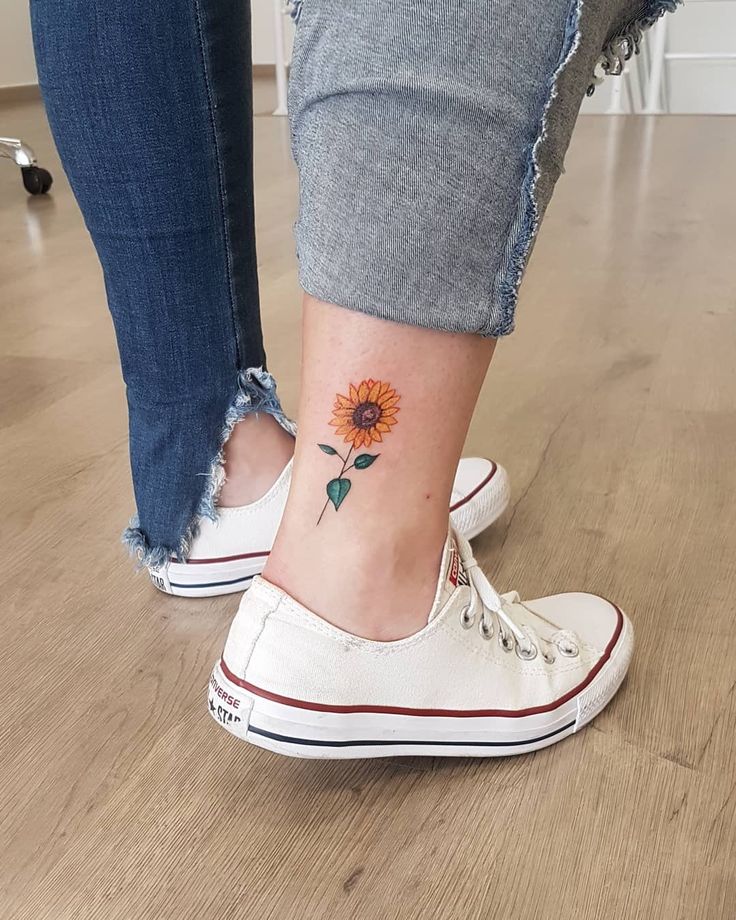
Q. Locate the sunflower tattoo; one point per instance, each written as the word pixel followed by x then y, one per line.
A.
pixel 362 418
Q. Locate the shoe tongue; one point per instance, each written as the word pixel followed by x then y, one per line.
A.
pixel 452 575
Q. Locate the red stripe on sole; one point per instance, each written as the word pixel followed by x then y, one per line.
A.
pixel 224 558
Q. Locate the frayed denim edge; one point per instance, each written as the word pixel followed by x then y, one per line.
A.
pixel 527 220
pixel 626 43
pixel 616 52
pixel 256 393
pixel 294 9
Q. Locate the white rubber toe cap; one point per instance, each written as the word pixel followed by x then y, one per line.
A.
pixel 596 621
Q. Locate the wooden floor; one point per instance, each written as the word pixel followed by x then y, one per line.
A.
pixel 613 407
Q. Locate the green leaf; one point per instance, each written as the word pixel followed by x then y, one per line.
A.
pixel 363 461
pixel 337 489
pixel 327 449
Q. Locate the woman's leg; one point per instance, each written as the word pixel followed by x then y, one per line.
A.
pixel 150 106
pixel 151 110
pixel 399 399
pixel 419 201
pixel 428 139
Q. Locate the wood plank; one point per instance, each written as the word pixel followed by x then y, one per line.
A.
pixel 614 408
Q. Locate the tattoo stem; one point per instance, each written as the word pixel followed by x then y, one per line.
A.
pixel 344 467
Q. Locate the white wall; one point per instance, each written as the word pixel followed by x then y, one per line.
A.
pixel 262 24
pixel 692 86
pixel 16 51
pixel 696 86
pixel 17 66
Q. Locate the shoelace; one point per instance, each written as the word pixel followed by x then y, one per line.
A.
pixel 496 618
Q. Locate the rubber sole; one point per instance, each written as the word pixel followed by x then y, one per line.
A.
pixel 234 574
pixel 307 732
pixel 209 579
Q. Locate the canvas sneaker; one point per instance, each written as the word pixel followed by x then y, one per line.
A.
pixel 486 677
pixel 228 553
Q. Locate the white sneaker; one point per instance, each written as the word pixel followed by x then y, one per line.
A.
pixel 228 553
pixel 486 677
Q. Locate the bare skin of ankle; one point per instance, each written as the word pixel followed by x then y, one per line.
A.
pixel 365 556
pixel 255 455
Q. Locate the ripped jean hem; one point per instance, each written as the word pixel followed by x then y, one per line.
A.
pixel 256 393
pixel 525 226
pixel 294 9
pixel 627 41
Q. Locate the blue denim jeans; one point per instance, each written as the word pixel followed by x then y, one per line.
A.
pixel 428 139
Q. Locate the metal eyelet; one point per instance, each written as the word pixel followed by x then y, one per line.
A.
pixel 526 654
pixel 549 658
pixel 466 619
pixel 485 630
pixel 507 642
pixel 568 649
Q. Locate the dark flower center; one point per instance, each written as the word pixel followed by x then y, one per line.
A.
pixel 366 415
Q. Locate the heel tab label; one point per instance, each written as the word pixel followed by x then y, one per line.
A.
pixel 160 578
pixel 229 708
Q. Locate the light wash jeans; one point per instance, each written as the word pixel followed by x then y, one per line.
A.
pixel 428 138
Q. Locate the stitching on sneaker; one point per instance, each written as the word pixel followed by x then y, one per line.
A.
pixel 269 612
pixel 302 617
pixel 316 624
pixel 294 616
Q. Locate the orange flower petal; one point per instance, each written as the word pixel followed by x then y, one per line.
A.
pixel 369 390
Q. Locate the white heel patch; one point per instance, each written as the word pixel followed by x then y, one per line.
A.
pixel 160 578
pixel 227 706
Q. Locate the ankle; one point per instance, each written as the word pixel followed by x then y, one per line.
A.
pixel 256 453
pixel 378 588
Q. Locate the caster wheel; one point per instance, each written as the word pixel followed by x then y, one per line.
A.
pixel 37 181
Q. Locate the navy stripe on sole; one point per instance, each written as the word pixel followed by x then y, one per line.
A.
pixel 393 742
pixel 213 584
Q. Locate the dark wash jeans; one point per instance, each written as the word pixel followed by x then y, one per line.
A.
pixel 150 106
pixel 428 138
